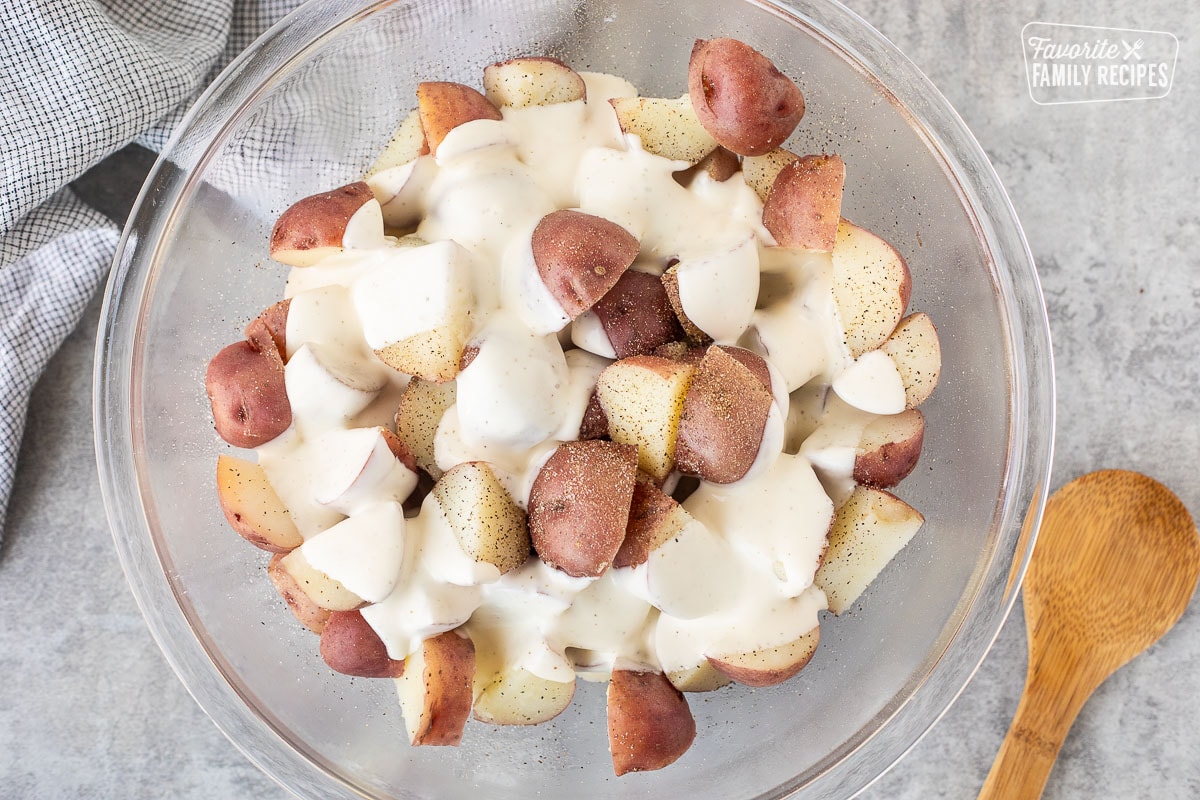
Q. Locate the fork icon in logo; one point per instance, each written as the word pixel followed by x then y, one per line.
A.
pixel 1132 49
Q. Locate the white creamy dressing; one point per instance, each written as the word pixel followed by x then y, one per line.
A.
pixel 737 578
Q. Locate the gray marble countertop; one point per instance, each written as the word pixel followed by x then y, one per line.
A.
pixel 1107 193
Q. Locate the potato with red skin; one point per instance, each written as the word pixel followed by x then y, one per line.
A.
pixel 443 106
pixel 741 98
pixel 579 505
pixel 769 666
pixel 437 689
pixel 252 507
pixel 311 615
pixel 649 722
pixel 666 127
pixel 272 322
pixel 314 226
pixel 595 423
pixel 532 81
pixel 724 415
pixel 760 172
pixel 915 348
pixel 804 205
pixel 654 517
pixel 642 399
pixel 888 449
pixel 636 315
pixel 580 257
pixel 351 646
pixel 246 390
pixel 871 286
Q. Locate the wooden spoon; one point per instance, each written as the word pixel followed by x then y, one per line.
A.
pixel 1115 565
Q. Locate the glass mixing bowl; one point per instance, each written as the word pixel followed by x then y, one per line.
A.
pixel 305 109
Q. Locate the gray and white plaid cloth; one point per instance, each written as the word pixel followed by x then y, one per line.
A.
pixel 79 79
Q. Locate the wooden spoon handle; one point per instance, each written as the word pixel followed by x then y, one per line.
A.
pixel 1054 694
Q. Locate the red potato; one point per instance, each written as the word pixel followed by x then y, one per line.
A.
pixel 649 722
pixel 489 525
pixel 246 390
pixel 595 423
pixel 724 416
pixel 317 226
pixel 701 678
pixel 642 398
pixel 580 257
pixel 741 98
pixel 352 647
pixel 437 689
pixel 532 81
pixel 636 314
pixel 323 591
pixel 272 322
pixel 252 507
pixel 406 144
pixel 889 449
pixel 310 615
pixel 769 666
pixel 667 127
pixel 760 171
pixel 670 282
pixel 443 106
pixel 518 697
pixel 915 348
pixel 868 531
pixel 420 411
pixel 654 517
pixel 871 286
pixel 804 205
pixel 579 505
pixel 721 164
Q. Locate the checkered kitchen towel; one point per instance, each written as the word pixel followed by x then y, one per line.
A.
pixel 80 79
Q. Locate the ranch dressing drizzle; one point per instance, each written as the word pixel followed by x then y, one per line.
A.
pixel 520 396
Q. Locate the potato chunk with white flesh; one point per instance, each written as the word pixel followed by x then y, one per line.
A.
pixel 915 348
pixel 642 398
pixel 649 722
pixel 518 697
pixel 364 553
pixel 406 144
pixel 252 507
pixel 443 106
pixel 326 223
pixel 324 591
pixel 418 415
pixel 667 127
pixel 769 666
pixel 760 171
pixel 489 526
pixel 703 677
pixel 888 449
pixel 310 615
pixel 415 308
pixel 532 81
pixel 436 689
pixel 871 286
pixel 868 531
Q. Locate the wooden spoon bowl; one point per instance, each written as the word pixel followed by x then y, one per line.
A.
pixel 1116 563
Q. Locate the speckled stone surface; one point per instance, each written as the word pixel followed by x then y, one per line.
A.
pixel 1107 194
